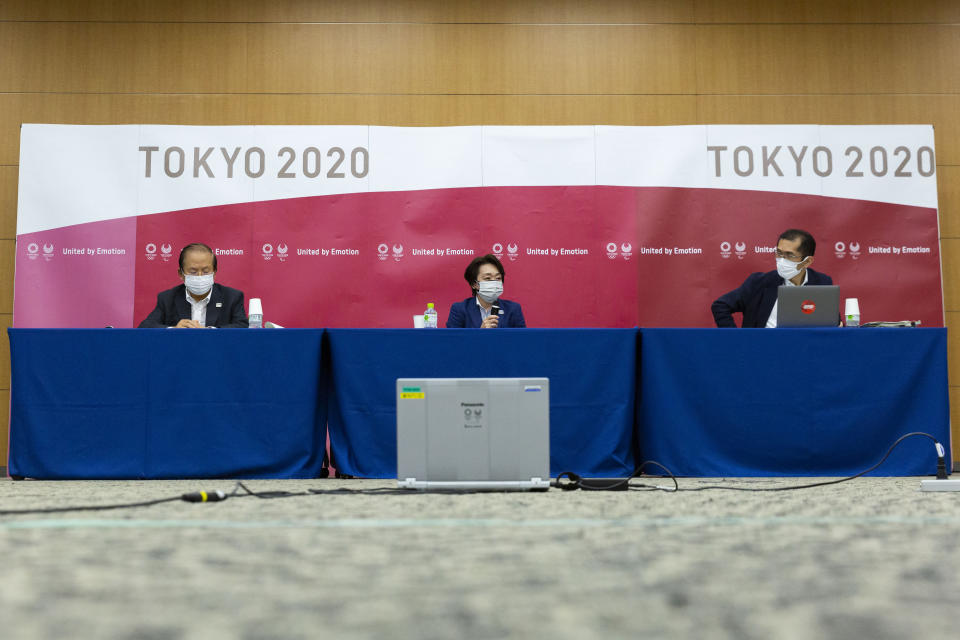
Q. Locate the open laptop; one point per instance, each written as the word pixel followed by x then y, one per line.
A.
pixel 809 306
pixel 476 434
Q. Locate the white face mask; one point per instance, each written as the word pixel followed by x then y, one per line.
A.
pixel 490 290
pixel 198 285
pixel 787 269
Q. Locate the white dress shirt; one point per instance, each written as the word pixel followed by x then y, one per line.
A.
pixel 772 320
pixel 198 309
pixel 484 313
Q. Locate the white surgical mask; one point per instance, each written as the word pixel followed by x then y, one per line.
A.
pixel 788 269
pixel 198 285
pixel 489 290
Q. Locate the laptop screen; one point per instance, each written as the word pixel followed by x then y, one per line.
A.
pixel 477 430
pixel 808 306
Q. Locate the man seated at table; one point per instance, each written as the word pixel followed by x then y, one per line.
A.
pixel 485 275
pixel 756 298
pixel 198 302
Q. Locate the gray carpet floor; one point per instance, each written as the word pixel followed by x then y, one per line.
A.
pixel 871 558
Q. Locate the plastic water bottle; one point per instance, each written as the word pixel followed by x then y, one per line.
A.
pixel 430 317
pixel 255 317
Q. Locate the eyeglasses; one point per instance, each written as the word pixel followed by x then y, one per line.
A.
pixel 792 257
pixel 198 272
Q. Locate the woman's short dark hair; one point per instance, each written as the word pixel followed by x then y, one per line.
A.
pixel 470 275
pixel 808 246
pixel 197 246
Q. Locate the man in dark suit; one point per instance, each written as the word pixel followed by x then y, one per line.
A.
pixel 485 275
pixel 756 298
pixel 198 302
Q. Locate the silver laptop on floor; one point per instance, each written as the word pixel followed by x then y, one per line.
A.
pixel 476 434
pixel 809 306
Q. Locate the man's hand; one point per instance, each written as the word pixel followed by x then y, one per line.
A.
pixel 491 322
pixel 189 324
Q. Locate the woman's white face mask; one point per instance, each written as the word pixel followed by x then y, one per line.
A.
pixel 489 290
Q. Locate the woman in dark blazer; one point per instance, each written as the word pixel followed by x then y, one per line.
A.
pixel 485 308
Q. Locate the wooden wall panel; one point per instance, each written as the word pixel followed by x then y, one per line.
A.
pixel 841 59
pixel 472 59
pixel 470 11
pixel 953 349
pixel 7 254
pixel 473 110
pixel 948 182
pixel 346 58
pixel 109 57
pixel 475 11
pixel 950 263
pixel 8 203
pixel 753 109
pixel 826 11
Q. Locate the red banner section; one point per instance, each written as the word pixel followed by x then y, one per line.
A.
pixel 885 255
pixel 584 256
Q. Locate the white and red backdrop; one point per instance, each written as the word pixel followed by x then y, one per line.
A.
pixel 361 226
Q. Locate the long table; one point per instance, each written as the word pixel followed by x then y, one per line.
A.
pixel 793 402
pixel 155 403
pixel 118 403
pixel 593 377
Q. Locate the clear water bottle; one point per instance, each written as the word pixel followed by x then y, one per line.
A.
pixel 255 315
pixel 430 317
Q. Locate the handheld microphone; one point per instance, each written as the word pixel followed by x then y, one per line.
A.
pixel 495 309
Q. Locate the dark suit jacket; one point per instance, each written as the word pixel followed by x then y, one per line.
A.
pixel 466 314
pixel 755 298
pixel 225 309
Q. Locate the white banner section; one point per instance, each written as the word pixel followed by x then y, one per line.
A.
pixel 72 174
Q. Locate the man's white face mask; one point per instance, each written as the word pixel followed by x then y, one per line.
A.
pixel 788 269
pixel 198 285
pixel 489 290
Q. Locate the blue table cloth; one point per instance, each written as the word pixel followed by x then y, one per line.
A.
pixel 792 402
pixel 115 403
pixel 592 389
pixel 158 403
